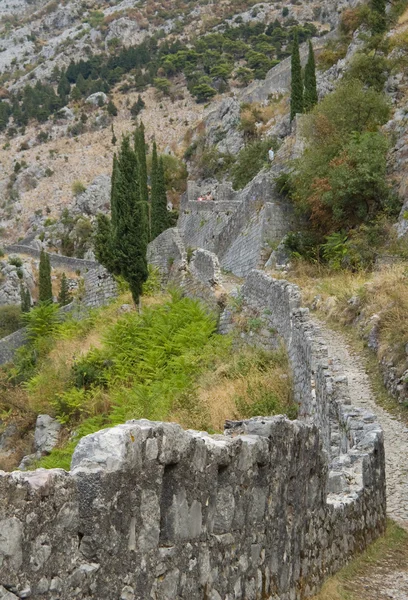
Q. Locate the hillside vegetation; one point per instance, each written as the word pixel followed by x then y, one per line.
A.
pixel 166 363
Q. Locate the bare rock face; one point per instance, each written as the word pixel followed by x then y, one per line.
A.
pixel 402 224
pixel 221 126
pixel 46 434
pixel 96 197
pixel 97 98
pixel 11 279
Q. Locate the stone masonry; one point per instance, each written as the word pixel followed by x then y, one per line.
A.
pixel 99 289
pixel 149 511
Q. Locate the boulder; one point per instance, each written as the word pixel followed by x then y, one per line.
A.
pixel 96 98
pixel 96 197
pixel 46 434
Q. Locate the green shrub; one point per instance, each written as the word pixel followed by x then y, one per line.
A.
pixel 78 187
pixel 10 319
pixel 371 70
pixel 15 261
pixel 250 161
pixel 153 284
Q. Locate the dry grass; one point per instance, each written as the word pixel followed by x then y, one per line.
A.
pixel 237 388
pixel 383 293
pixel 370 575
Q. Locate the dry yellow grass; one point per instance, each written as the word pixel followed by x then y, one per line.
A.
pixel 383 292
pixel 226 393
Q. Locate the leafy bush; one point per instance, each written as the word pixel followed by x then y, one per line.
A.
pixel 371 70
pixel 78 187
pixel 10 319
pixel 250 161
pixel 15 261
pixel 340 180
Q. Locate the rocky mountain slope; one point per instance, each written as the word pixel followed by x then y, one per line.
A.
pixel 40 161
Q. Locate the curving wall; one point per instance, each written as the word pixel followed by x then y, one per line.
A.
pixel 149 511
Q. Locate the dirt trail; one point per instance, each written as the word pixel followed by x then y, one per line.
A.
pixel 395 432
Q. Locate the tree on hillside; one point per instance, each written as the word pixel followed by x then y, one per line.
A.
pixel 25 299
pixel 296 92
pixel 130 231
pixel 140 149
pixel 64 88
pixel 45 286
pixel 310 94
pixel 64 297
pixel 379 20
pixel 121 242
pixel 160 215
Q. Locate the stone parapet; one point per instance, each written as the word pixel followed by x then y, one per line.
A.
pixel 267 510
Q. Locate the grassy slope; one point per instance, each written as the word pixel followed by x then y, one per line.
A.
pixel 165 364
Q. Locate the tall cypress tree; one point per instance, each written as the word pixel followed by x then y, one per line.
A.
pixel 130 230
pixel 310 95
pixel 64 297
pixel 140 149
pixel 296 92
pixel 45 285
pixel 25 299
pixel 160 215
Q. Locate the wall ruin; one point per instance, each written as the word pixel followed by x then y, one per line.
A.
pixel 148 510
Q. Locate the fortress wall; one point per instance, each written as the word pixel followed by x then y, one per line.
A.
pixel 99 289
pixel 56 260
pixel 149 511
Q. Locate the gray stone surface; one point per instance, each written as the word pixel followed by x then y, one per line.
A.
pixel 46 434
pixel 149 510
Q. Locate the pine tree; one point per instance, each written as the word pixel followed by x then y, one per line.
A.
pixel 160 215
pixel 64 297
pixel 310 95
pixel 25 299
pixel 45 286
pixel 296 95
pixel 379 21
pixel 129 221
pixel 64 88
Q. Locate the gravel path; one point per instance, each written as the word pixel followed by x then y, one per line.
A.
pixel 395 432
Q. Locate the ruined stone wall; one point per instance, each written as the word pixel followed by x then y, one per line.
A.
pixel 56 260
pixel 148 510
pixel 239 231
pixel 99 289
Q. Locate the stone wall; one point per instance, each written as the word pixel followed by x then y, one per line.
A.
pixel 148 510
pixel 56 260
pixel 99 289
pixel 9 345
pixel 241 230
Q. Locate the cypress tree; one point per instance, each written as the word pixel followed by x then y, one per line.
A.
pixel 296 95
pixel 64 297
pixel 160 215
pixel 310 96
pixel 379 23
pixel 45 286
pixel 130 229
pixel 25 299
pixel 103 244
pixel 140 149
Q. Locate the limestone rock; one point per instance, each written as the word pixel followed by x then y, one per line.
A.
pixel 96 197
pixel 46 434
pixel 97 98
